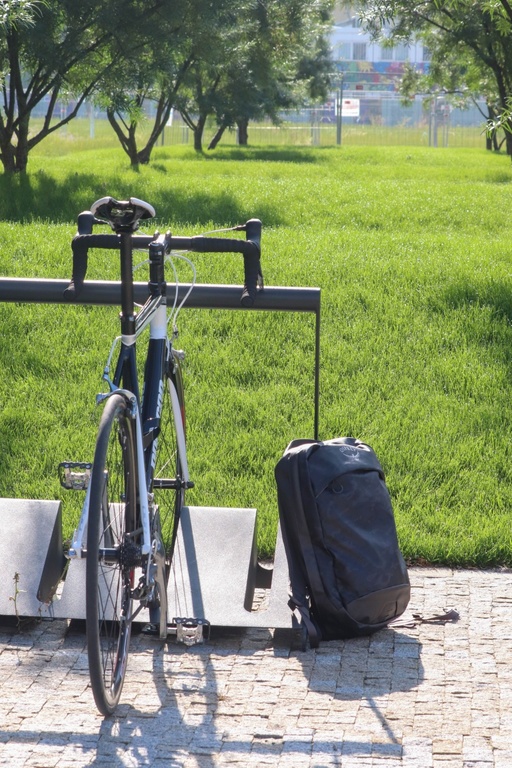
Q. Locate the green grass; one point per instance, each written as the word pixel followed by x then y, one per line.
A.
pixel 77 135
pixel 411 247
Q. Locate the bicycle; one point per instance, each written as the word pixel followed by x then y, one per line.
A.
pixel 135 486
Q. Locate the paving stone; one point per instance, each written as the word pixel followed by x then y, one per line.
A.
pixel 426 696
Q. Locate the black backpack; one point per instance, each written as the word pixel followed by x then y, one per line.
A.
pixel 347 574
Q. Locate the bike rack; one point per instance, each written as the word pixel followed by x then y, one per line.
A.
pixel 215 570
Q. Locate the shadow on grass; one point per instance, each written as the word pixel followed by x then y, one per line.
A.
pixel 204 207
pixel 267 154
pixel 39 196
pixel 499 177
pixel 490 294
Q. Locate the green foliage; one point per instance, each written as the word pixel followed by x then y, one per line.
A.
pixel 410 250
pixel 469 41
pixel 60 54
pixel 262 58
pixel 502 121
pixel 17 13
pixel 234 58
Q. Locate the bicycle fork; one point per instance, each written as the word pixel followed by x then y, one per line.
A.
pixel 77 548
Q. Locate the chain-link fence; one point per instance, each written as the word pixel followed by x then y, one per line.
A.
pixel 366 119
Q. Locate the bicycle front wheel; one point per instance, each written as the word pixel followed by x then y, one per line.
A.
pixel 112 554
pixel 167 484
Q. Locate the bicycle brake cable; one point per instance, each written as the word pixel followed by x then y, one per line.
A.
pixel 176 308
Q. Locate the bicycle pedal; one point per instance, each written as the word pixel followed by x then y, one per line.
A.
pixel 160 483
pixel 75 475
pixel 191 631
pixel 151 630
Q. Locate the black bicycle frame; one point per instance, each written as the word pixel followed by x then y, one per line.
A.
pixel 157 361
pixel 126 369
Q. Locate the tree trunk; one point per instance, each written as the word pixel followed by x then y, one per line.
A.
pixel 21 157
pixel 243 134
pixel 163 111
pixel 198 133
pixel 508 142
pixel 127 140
pixel 8 158
pixel 218 136
pixel 144 155
pixel 14 157
pixel 22 147
pixel 491 139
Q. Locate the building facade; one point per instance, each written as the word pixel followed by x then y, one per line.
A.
pixel 370 74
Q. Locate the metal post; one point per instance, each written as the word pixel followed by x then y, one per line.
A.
pixel 433 122
pixel 315 130
pixel 92 132
pixel 339 112
pixel 317 372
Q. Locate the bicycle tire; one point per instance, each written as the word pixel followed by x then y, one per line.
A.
pixel 168 494
pixel 109 574
pixel 168 470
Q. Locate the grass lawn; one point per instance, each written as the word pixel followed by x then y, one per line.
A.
pixel 412 250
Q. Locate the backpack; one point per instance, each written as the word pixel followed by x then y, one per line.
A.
pixel 347 575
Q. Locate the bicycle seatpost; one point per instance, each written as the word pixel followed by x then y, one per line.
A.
pixel 127 296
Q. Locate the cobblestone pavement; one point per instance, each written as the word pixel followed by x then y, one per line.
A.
pixel 426 696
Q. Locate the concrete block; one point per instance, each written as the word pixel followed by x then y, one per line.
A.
pixel 69 603
pixel 214 571
pixel 31 554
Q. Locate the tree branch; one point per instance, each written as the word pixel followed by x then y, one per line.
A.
pixel 508 8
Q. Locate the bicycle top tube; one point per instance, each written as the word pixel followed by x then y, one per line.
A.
pixel 124 217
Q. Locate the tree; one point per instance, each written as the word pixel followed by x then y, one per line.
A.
pixel 147 82
pixel 457 76
pixel 221 51
pixel 49 49
pixel 179 69
pixel 55 50
pixel 479 29
pixel 286 60
pixel 153 74
pixel 196 102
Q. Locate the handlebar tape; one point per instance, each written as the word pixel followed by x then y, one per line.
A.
pixel 252 266
pixel 80 246
pixel 250 248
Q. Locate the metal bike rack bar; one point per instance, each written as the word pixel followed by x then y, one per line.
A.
pixel 104 292
pixel 34 290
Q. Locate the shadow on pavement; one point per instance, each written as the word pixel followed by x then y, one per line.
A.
pixel 242 692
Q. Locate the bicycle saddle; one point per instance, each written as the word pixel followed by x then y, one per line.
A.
pixel 122 215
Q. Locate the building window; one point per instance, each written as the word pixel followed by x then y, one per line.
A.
pixel 359 52
pixel 401 52
pixel 343 51
pixel 386 53
pixel 427 56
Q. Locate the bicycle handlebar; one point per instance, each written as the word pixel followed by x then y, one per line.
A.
pixel 250 248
